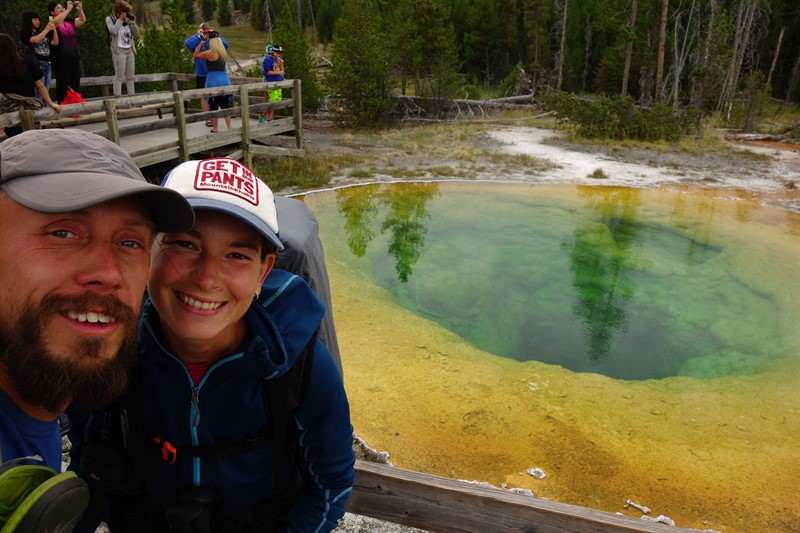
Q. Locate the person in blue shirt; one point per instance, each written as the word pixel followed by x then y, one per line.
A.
pixel 74 257
pixel 200 68
pixel 273 71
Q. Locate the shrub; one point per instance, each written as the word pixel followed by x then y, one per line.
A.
pixel 617 117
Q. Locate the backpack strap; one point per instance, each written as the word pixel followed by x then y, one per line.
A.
pixel 281 397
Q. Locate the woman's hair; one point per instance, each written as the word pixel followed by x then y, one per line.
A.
pixel 11 65
pixel 121 6
pixel 27 20
pixel 267 248
pixel 51 6
pixel 216 45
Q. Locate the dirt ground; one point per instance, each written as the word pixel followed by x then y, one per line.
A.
pixel 503 151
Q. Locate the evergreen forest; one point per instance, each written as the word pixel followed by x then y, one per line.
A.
pixel 704 55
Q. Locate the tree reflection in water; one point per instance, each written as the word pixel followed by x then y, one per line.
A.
pixel 600 265
pixel 406 213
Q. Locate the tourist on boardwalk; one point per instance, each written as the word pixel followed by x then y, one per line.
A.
pixel 122 30
pixel 200 69
pixel 20 80
pixel 216 58
pixel 273 71
pixel 65 57
pixel 226 342
pixel 34 35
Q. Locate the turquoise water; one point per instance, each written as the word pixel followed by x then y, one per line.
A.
pixel 627 283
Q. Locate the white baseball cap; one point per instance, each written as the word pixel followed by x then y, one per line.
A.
pixel 226 185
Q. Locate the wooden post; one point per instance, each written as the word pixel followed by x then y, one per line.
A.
pixel 175 89
pixel 298 114
pixel 111 120
pixel 26 120
pixel 244 102
pixel 180 119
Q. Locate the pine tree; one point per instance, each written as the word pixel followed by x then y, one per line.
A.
pixel 360 73
pixel 207 7
pixel 257 15
pixel 299 63
pixel 224 15
pixel 188 10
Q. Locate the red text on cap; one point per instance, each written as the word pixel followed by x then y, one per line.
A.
pixel 227 176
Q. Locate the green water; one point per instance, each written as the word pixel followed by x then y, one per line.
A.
pixel 627 283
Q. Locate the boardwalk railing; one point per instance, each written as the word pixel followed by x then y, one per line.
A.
pixel 445 505
pixel 247 91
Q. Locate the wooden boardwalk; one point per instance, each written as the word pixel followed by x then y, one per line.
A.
pixel 157 127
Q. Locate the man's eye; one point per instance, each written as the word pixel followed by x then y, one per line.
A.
pixel 131 244
pixel 62 234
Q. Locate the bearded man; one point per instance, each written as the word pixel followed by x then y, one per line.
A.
pixel 77 219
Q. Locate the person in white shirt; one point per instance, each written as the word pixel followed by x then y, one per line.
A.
pixel 122 30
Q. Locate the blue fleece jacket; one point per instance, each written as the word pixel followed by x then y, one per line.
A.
pixel 227 407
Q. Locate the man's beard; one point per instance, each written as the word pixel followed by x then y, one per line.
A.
pixel 80 378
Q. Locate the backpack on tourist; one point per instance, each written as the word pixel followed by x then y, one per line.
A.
pixel 34 499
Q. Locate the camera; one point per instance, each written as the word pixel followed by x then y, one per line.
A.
pixel 213 34
pixel 130 16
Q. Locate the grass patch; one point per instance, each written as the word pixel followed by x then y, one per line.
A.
pixel 518 162
pixel 244 41
pixel 441 172
pixel 598 174
pixel 361 173
pixel 299 172
pixel 402 173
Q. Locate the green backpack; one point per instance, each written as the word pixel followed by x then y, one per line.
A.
pixel 34 499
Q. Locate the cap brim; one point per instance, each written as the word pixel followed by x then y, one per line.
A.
pixel 243 215
pixel 169 210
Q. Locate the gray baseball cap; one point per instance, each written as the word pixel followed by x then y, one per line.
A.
pixel 58 171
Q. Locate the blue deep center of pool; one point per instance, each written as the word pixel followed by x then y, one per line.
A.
pixel 613 281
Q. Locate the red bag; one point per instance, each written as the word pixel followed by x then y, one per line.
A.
pixel 72 97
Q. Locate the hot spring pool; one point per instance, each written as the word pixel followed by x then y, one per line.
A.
pixel 634 344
